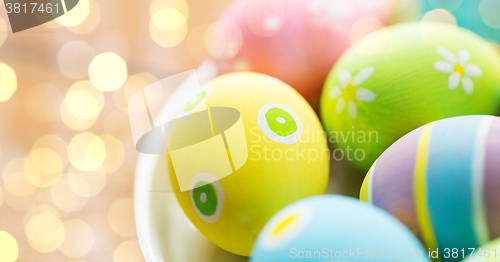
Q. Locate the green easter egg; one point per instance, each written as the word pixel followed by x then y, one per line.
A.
pixel 402 77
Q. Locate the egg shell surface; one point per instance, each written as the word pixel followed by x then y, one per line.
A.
pixel 333 227
pixel 296 41
pixel 231 211
pixel 403 77
pixel 442 180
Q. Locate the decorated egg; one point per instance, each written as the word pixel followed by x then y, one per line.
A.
pixel 489 252
pixel 479 16
pixel 403 77
pixel 244 146
pixel 333 227
pixel 296 41
pixel 442 180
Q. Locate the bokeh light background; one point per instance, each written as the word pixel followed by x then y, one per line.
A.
pixel 67 157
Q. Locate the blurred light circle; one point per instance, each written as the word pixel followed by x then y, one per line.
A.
pixel 68 116
pixel 21 203
pixel 223 40
pixel 76 15
pixel 87 87
pixel 82 105
pixel 48 155
pixel 74 59
pixel 128 251
pixel 168 19
pixel 363 27
pixel 450 5
pixel 78 240
pixel 3 28
pixel 108 71
pixel 265 18
pixel 175 33
pixel 87 184
pixel 47 160
pixel 44 248
pixel 8 82
pixel 35 176
pixel 37 210
pixel 9 251
pixel 73 122
pixel 40 102
pixel 488 9
pixel 115 153
pixel 38 178
pixel 14 178
pixel 439 15
pixel 78 184
pixel 91 22
pixel 179 5
pixel 86 151
pixel 121 217
pixel 45 229
pixel 65 198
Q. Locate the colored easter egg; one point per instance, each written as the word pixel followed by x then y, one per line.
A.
pixel 333 227
pixel 442 180
pixel 479 16
pixel 402 77
pixel 489 252
pixel 295 41
pixel 244 146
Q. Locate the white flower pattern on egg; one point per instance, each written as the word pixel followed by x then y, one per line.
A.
pixel 460 69
pixel 350 91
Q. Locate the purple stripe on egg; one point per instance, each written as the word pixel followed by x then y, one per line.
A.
pixel 492 179
pixel 393 188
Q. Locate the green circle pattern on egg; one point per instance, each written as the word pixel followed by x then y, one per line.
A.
pixel 205 198
pixel 280 123
pixel 397 79
pixel 195 101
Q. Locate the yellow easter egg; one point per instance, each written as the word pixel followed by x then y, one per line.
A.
pixel 244 146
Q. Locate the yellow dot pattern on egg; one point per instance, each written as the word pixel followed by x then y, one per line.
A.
pixel 284 224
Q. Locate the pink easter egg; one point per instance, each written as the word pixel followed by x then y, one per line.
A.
pixel 296 41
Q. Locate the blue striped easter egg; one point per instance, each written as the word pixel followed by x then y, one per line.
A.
pixel 442 180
